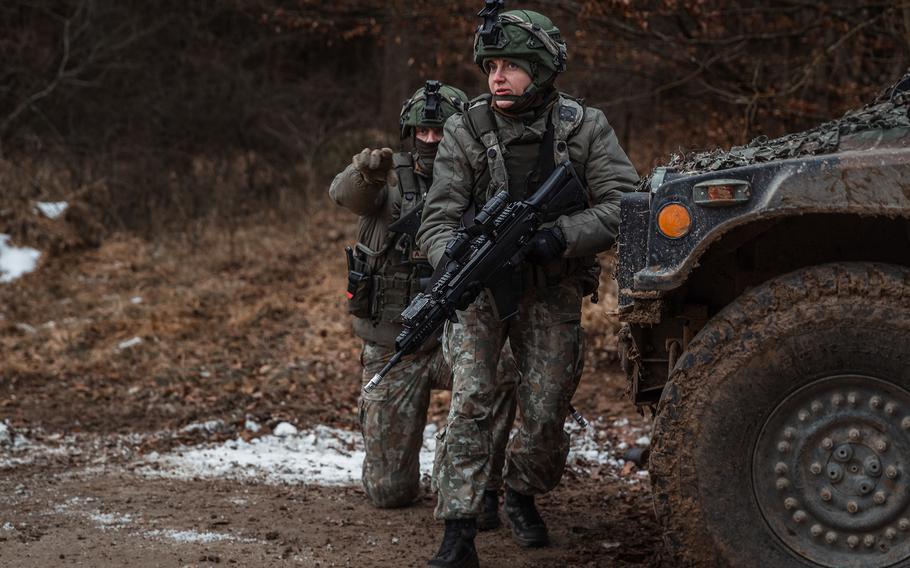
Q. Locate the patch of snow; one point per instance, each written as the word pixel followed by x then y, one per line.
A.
pixel 26 328
pixel 51 209
pixel 136 300
pixel 191 536
pixel 284 430
pixel 20 442
pixel 621 423
pixel 251 425
pixel 208 426
pixel 643 441
pixel 6 437
pixel 325 456
pixel 589 448
pixel 110 520
pixel 16 449
pixel 76 506
pixel 15 261
pixel 127 343
pixel 321 455
pixel 8 527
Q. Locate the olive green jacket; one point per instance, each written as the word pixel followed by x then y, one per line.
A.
pixel 377 206
pixel 460 178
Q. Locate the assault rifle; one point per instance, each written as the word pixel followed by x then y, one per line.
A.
pixel 484 256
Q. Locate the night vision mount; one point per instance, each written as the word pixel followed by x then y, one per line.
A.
pixel 490 29
pixel 432 107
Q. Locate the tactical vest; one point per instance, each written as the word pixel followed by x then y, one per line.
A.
pixel 398 270
pixel 519 168
pixel 565 117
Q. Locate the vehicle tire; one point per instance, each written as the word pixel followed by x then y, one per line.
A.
pixel 783 436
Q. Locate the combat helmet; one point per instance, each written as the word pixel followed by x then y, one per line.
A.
pixel 430 106
pixel 524 36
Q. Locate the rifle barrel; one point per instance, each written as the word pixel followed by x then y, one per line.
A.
pixel 578 417
pixel 377 378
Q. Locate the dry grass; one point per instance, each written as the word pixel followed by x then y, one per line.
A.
pixel 244 324
pixel 249 321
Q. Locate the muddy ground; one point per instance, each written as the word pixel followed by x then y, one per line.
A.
pixel 109 352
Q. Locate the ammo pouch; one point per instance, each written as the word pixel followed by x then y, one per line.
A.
pixel 393 291
pixel 359 291
pixel 390 294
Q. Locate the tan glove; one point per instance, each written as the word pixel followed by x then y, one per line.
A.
pixel 376 166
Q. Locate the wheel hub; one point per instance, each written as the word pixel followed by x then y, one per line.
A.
pixel 830 472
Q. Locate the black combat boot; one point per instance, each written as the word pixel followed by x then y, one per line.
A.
pixel 528 528
pixel 457 549
pixel 489 516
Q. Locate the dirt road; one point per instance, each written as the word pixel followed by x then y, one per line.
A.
pixel 113 358
pixel 111 517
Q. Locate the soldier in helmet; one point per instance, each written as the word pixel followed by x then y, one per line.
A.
pixel 386 270
pixel 511 139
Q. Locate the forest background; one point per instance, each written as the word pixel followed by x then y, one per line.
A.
pixel 192 292
pixel 154 117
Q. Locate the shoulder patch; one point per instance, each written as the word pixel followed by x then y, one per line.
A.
pixel 567 117
pixel 567 113
pixel 570 114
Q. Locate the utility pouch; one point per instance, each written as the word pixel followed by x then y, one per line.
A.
pixel 359 285
pixel 391 296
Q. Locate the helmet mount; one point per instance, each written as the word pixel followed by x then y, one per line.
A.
pixel 490 29
pixel 433 103
pixel 430 106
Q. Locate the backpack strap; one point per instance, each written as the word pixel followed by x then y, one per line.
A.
pixel 407 182
pixel 483 124
pixel 413 190
pixel 567 116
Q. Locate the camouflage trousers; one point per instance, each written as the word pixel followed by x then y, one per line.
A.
pixel 547 340
pixel 393 417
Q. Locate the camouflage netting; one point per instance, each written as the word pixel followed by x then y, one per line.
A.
pixel 888 110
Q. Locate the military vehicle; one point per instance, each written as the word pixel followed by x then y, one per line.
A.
pixel 765 295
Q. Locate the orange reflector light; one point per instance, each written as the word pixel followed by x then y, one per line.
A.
pixel 721 192
pixel 674 221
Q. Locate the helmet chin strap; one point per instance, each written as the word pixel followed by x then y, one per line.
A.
pixel 511 98
pixel 537 93
pixel 535 96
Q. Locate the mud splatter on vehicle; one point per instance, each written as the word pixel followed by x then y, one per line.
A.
pixel 765 295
